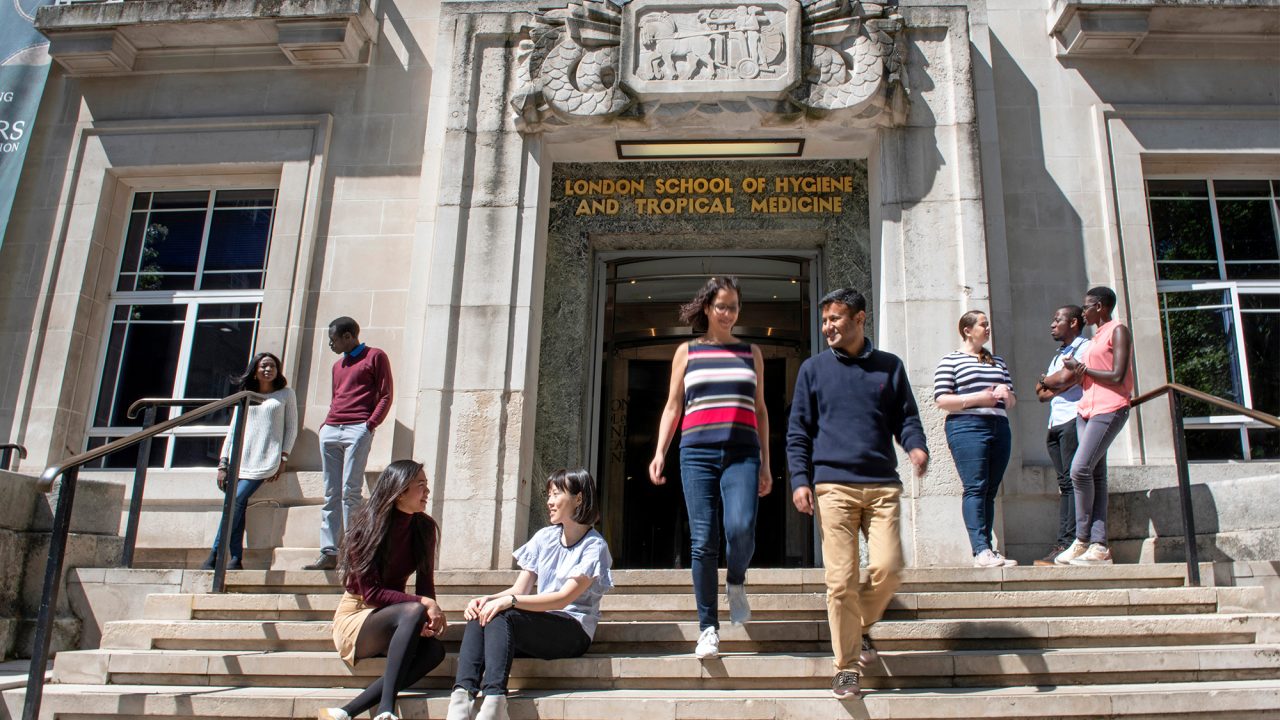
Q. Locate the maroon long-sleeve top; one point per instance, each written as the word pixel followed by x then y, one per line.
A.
pixel 362 388
pixel 386 586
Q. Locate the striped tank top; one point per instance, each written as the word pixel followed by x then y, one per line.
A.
pixel 719 396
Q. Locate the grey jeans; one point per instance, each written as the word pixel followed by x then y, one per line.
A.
pixel 1089 475
pixel 344 449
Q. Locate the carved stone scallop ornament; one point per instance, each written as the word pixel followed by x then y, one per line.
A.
pixel 655 60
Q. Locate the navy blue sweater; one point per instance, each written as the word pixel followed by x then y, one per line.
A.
pixel 845 414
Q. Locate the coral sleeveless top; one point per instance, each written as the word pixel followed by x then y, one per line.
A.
pixel 1101 397
pixel 719 396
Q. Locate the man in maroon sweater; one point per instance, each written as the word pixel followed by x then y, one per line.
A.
pixel 361 400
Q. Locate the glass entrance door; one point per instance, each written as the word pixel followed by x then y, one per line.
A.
pixel 646 525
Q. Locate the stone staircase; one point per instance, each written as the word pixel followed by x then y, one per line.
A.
pixel 1127 641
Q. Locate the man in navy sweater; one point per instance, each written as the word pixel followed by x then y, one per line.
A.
pixel 851 402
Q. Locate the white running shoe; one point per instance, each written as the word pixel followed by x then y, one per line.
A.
pixel 333 714
pixel 1076 549
pixel 1097 554
pixel 1007 562
pixel 987 559
pixel 493 707
pixel 461 705
pixel 739 609
pixel 708 644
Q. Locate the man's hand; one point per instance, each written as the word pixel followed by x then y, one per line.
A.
pixel 920 459
pixel 802 498
pixel 766 481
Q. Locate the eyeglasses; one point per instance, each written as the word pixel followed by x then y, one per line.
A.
pixel 724 308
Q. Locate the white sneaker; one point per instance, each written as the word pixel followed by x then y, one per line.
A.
pixel 987 559
pixel 493 707
pixel 386 716
pixel 1007 562
pixel 1076 549
pixel 461 705
pixel 1097 554
pixel 708 644
pixel 739 609
pixel 333 714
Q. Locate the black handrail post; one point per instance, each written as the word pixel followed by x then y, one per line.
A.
pixel 6 455
pixel 139 482
pixel 1184 490
pixel 239 422
pixel 49 598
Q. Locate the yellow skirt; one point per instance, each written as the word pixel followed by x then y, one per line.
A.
pixel 347 621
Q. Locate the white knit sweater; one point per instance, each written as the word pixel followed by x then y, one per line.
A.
pixel 272 428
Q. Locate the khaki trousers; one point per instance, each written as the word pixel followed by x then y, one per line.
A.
pixel 844 510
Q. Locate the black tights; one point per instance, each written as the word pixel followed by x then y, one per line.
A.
pixel 396 632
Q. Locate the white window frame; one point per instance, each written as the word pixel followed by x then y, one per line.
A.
pixel 1234 288
pixel 193 299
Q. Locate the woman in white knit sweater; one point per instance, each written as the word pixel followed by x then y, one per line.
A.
pixel 268 438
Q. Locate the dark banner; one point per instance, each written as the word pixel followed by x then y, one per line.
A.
pixel 24 65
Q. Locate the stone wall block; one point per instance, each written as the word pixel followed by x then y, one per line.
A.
pixel 499 159
pixel 938 536
pixel 17 500
pixel 483 332
pixel 474 447
pixel 493 241
pixel 96 508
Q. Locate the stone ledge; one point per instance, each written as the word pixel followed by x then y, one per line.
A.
pixel 1218 29
pixel 90 39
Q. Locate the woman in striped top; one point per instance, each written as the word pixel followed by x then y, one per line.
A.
pixel 974 388
pixel 717 386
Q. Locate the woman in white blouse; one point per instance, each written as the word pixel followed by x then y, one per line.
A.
pixel 268 438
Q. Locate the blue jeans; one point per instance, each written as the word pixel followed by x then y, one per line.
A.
pixel 244 490
pixel 980 446
pixel 712 477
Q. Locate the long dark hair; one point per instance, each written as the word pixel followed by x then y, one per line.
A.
pixel 249 380
pixel 967 321
pixel 694 312
pixel 365 549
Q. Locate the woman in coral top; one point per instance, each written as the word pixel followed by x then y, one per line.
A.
pixel 1106 374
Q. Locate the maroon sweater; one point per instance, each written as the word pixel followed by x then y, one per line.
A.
pixel 384 587
pixel 361 389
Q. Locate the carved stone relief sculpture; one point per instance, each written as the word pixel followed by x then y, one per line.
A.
pixel 594 60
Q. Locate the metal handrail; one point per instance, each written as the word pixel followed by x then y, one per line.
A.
pixel 69 471
pixel 6 454
pixel 144 403
pixel 1175 392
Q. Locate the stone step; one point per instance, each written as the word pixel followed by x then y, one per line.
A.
pixel 769 580
pixel 1225 700
pixel 895 669
pixel 767 606
pixel 766 636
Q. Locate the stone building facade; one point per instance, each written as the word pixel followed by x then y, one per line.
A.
pixel 510 196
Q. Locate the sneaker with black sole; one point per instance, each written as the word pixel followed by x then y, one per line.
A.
pixel 1047 560
pixel 844 686
pixel 324 562
pixel 869 653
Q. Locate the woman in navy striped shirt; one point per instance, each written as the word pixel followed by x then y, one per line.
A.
pixel 974 388
pixel 717 385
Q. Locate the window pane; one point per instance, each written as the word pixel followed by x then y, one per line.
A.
pixel 1248 233
pixel 1262 349
pixel 238 240
pixel 220 350
pixel 1241 188
pixel 1183 230
pixel 128 458
pixel 141 201
pixel 171 245
pixel 194 452
pixel 1214 444
pixel 245 198
pixel 1202 348
pixel 132 250
pixel 232 281
pixel 186 200
pixel 1177 188
pixel 1264 444
pixel 146 355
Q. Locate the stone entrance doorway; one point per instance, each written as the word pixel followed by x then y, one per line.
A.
pixel 646 525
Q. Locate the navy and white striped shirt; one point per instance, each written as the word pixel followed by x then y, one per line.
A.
pixel 960 373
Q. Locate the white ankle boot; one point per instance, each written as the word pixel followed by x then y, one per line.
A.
pixel 461 705
pixel 493 707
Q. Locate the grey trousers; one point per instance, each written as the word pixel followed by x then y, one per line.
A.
pixel 1089 475
pixel 344 449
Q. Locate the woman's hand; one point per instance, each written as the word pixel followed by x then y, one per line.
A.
pixel 222 479
pixel 1075 366
pixel 766 481
pixel 436 623
pixel 472 611
pixel 656 466
pixel 1000 393
pixel 279 471
pixel 493 606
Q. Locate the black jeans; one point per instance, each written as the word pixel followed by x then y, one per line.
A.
pixel 1061 442
pixel 484 660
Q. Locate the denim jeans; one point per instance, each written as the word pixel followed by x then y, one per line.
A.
pixel 484 658
pixel 244 490
pixel 1089 474
pixel 714 477
pixel 344 449
pixel 980 446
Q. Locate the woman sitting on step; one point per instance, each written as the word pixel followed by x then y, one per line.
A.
pixel 569 562
pixel 390 538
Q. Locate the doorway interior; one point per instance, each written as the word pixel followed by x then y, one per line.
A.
pixel 639 296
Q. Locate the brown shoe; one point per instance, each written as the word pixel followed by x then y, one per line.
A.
pixel 1047 560
pixel 324 562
